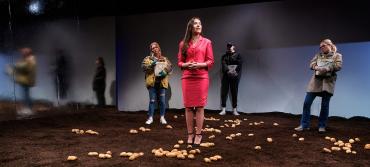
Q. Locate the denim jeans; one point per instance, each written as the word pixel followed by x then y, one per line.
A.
pixel 324 112
pixel 155 93
pixel 27 97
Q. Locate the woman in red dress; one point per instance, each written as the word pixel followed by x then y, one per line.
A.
pixel 195 58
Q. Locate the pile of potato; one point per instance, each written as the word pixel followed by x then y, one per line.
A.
pixel 231 136
pixel 207 144
pixel 107 155
pixel 80 131
pixel 211 130
pixel 131 156
pixel 213 158
pixel 175 153
pixel 340 145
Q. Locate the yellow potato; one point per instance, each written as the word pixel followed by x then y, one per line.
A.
pixel 336 143
pixel 213 158
pixel 133 156
pixel 233 125
pixel 229 138
pixel 191 156
pixel 245 119
pixel 141 154
pixel 108 156
pixel 174 150
pixel 176 146
pixel 354 152
pixel 250 123
pixel 346 148
pixel 335 148
pixel 133 131
pixel 326 150
pixel 171 155
pixel 102 156
pixel 109 152
pixel 250 134
pixel 275 124
pixel 367 146
pixel 351 141
pixel 269 140
pixel 175 116
pixel 169 127
pixel 348 145
pixel 332 139
pixel 327 138
pixel 238 134
pixel 357 139
pixel 348 151
pixel 180 156
pixel 197 150
pixel 257 147
pixel 158 154
pixel 129 154
pixel 180 142
pixel 123 154
pixel 294 135
pixel 81 132
pixel 211 137
pixel 301 139
pixel 75 130
pixel 341 144
pixel 217 130
pixel 222 126
pixel 218 157
pixel 71 158
pixel 207 160
pixel 93 153
pixel 189 146
pixel 226 125
pixel 232 135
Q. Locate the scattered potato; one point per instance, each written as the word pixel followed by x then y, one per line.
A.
pixel 75 130
pixel 357 139
pixel 192 152
pixel 346 148
pixel 133 131
pixel 327 138
pixel 93 154
pixel 335 148
pixel 367 146
pixel 191 156
pixel 81 132
pixel 175 116
pixel 189 146
pixel 326 150
pixel 71 158
pixel 207 160
pixel 197 150
pixel 180 142
pixel 354 152
pixel 276 124
pixel 245 119
pixel 294 135
pixel 333 139
pixel 250 124
pixel 218 157
pixel 169 127
pixel 229 138
pixel 250 134
pixel 232 135
pixel 109 152
pixel 171 154
pixel 208 144
pixel 213 158
pixel 238 134
pixel 301 139
pixel 180 156
pixel 211 137
pixel 176 146
pixel 269 139
pixel 348 151
pixel 257 147
pixel 351 141
pixel 217 130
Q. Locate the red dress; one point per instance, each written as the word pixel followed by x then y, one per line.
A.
pixel 195 82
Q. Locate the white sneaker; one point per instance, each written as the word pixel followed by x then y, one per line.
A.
pixel 149 121
pixel 322 130
pixel 300 128
pixel 162 120
pixel 235 112
pixel 223 111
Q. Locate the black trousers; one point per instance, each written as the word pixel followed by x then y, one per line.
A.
pixel 232 84
pixel 100 97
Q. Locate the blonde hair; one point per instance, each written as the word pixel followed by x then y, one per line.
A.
pixel 157 44
pixel 330 43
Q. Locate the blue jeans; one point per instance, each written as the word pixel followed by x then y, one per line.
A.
pixel 324 112
pixel 26 96
pixel 155 92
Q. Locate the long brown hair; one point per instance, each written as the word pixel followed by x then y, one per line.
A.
pixel 187 37
pixel 157 44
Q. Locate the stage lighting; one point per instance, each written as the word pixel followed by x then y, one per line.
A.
pixel 35 7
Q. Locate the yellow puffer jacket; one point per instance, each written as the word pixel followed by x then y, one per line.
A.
pixel 149 67
pixel 25 71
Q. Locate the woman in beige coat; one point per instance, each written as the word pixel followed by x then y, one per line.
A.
pixel 325 65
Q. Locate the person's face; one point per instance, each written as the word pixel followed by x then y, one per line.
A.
pixel 97 62
pixel 325 48
pixel 197 26
pixel 155 49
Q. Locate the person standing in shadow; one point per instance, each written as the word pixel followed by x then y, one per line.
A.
pixel 99 81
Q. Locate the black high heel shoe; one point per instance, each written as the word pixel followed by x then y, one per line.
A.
pixel 200 141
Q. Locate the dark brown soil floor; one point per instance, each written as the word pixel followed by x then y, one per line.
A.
pixel 48 140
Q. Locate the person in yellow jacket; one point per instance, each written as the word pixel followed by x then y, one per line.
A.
pixel 157 69
pixel 24 73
